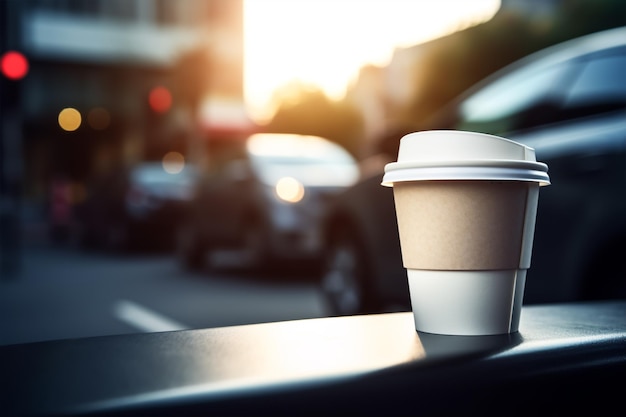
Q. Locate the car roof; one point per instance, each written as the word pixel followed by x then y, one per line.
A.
pixel 564 51
pixel 549 56
pixel 294 145
pixel 580 46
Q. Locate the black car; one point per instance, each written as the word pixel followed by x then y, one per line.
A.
pixel 134 208
pixel 569 103
pixel 259 202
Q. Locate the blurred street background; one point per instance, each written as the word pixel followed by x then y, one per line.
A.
pixel 118 116
pixel 64 293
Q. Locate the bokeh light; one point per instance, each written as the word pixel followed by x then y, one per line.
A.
pixel 160 99
pixel 99 118
pixel 69 119
pixel 173 162
pixel 14 65
pixel 289 189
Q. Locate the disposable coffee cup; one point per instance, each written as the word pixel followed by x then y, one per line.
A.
pixel 466 205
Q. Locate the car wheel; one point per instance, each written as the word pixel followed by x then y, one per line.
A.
pixel 345 277
pixel 190 251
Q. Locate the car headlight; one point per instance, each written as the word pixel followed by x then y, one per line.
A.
pixel 289 189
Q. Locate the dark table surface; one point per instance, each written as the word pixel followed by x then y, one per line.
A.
pixel 374 364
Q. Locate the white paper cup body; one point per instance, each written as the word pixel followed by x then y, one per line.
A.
pixel 467 303
pixel 466 234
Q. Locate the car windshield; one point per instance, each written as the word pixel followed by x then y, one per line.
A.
pixel 169 165
pixel 313 161
pixel 309 171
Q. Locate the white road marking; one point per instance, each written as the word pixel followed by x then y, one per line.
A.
pixel 144 319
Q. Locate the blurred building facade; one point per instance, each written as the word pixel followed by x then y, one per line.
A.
pixel 145 77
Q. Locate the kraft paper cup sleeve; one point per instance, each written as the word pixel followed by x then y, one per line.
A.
pixel 465 225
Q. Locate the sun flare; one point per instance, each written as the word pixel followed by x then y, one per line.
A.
pixel 324 43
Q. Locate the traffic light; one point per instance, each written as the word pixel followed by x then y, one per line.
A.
pixel 14 65
pixel 160 99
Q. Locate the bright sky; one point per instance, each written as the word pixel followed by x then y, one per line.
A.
pixel 325 42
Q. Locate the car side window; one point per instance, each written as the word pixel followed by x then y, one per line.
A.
pixel 521 100
pixel 600 87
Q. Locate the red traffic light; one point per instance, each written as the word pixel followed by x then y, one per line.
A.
pixel 160 99
pixel 14 65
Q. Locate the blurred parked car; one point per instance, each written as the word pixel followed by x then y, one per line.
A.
pixel 569 103
pixel 135 208
pixel 262 200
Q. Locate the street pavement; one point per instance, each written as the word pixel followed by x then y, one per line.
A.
pixel 62 292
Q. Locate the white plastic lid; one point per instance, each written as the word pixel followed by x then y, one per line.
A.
pixel 458 155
